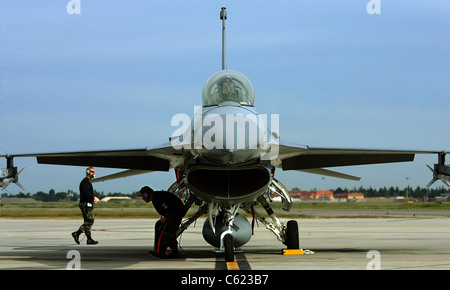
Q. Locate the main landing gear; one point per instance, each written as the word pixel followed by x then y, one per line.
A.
pixel 288 234
pixel 226 229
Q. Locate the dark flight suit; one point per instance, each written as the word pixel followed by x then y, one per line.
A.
pixel 172 208
pixel 87 205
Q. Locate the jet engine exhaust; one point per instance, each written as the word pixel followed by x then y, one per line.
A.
pixel 241 231
pixel 228 186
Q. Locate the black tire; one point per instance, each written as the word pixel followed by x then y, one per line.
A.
pixel 229 248
pixel 292 237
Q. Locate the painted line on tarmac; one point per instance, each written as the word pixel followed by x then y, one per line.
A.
pixel 240 262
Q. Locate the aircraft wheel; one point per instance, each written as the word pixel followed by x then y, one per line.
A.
pixel 292 237
pixel 229 248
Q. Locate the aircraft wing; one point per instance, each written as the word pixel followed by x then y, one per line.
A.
pixel 160 158
pixel 122 174
pixel 314 159
pixel 326 172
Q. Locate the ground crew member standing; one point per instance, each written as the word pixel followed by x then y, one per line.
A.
pixel 172 209
pixel 87 201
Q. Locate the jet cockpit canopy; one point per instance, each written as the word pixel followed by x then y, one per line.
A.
pixel 228 86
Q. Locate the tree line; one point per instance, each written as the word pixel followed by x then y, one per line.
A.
pixel 69 195
pixel 391 192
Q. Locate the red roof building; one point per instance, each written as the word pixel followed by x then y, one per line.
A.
pixel 311 195
pixel 349 195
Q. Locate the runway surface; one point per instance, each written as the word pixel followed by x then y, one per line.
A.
pixel 338 243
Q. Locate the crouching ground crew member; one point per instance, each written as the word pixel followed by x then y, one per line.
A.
pixel 87 201
pixel 172 210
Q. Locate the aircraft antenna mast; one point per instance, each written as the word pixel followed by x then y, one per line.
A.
pixel 223 17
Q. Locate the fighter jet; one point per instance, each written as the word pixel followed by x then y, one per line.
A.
pixel 441 171
pixel 10 175
pixel 225 160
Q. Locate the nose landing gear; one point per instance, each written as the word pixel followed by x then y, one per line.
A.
pixel 228 248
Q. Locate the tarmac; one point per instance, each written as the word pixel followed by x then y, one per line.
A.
pixel 387 243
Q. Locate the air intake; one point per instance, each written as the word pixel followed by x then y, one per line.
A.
pixel 229 186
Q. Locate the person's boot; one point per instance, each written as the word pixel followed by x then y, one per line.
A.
pixel 175 253
pixel 90 241
pixel 76 236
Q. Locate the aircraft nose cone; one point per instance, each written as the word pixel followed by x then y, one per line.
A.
pixel 230 135
pixel 230 156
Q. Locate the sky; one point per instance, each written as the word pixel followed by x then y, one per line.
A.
pixel 113 75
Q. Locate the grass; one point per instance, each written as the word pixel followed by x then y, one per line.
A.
pixel 415 205
pixel 143 210
pixel 75 213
